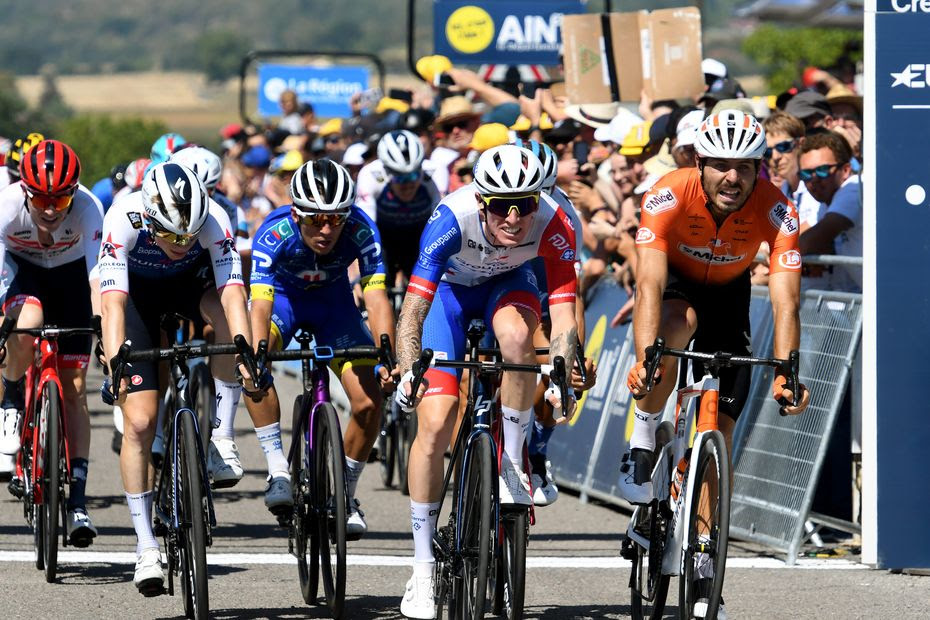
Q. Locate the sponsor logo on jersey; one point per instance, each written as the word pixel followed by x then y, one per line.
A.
pixel 277 233
pixel 790 259
pixel 644 235
pixel 136 379
pixel 108 248
pixel 659 200
pixel 559 242
pixel 715 251
pixel 434 215
pixel 784 218
pixel 475 245
pixel 21 233
pixel 227 243
pixel 135 219
pixel 568 254
pixel 313 276
pixel 109 282
pixel 441 241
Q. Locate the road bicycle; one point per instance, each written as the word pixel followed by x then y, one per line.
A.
pixel 183 503
pixel 43 463
pixel 317 522
pixel 688 520
pixel 398 430
pixel 481 551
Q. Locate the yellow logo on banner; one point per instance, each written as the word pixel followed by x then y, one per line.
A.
pixel 469 29
pixel 592 350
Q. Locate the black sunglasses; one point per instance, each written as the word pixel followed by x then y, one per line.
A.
pixel 782 147
pixel 822 172
pixel 460 124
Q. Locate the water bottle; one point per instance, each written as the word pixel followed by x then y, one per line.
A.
pixel 679 478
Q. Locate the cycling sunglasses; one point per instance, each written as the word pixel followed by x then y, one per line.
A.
pixel 782 147
pixel 410 177
pixel 59 202
pixel 501 206
pixel 319 220
pixel 822 172
pixel 181 240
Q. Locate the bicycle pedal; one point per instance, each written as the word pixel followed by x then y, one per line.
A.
pixel 153 591
pixel 16 488
pixel 285 519
pixel 159 529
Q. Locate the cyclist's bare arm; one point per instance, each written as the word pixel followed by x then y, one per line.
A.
pixel 410 330
pixel 260 315
pixel 380 318
pixel 785 292
pixel 237 315
pixel 113 323
pixel 651 279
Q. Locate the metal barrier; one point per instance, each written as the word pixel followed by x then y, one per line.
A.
pixel 777 460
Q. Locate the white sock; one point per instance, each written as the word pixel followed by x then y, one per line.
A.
pixel 270 439
pixel 644 429
pixel 227 399
pixel 353 473
pixel 515 425
pixel 140 509
pixel 423 519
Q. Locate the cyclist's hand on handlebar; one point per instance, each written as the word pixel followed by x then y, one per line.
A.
pixel 3 356
pixel 590 378
pixel 256 389
pixel 402 395
pixel 388 380
pixel 785 397
pixel 636 380
pixel 553 398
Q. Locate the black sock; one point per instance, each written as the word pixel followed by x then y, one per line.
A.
pixel 13 393
pixel 76 499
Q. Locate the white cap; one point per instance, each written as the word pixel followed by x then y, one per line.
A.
pixel 714 67
pixel 618 127
pixel 355 154
pixel 686 131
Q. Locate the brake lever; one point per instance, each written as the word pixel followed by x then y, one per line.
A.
pixel 651 363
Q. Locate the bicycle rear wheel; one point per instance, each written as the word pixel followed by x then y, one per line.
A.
pixel 203 401
pixel 469 589
pixel 387 443
pixel 509 575
pixel 304 528
pixel 51 488
pixel 330 497
pixel 192 537
pixel 704 560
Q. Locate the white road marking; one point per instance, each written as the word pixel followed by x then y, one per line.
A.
pixel 115 557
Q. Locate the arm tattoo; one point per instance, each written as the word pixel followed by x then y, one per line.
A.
pixel 410 330
pixel 564 345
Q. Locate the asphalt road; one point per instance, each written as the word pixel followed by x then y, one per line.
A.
pixel 574 566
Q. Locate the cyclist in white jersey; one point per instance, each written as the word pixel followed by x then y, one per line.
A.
pixel 49 234
pixel 164 250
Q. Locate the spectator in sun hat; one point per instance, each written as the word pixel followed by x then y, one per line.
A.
pixel 618 127
pixel 593 114
pixel 454 129
pixel 331 134
pixel 488 136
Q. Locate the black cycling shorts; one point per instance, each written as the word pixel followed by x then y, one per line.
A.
pixel 722 325
pixel 63 293
pixel 149 300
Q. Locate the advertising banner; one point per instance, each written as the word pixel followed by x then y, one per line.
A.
pixel 328 89
pixel 506 32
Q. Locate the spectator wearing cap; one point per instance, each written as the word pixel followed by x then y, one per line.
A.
pixel 307 118
pixel 812 109
pixel 713 70
pixel 255 163
pixel 825 169
pixel 454 129
pixel 784 134
pixel 280 171
pixel 333 142
pixel 634 147
pixel 355 157
pixel 291 121
pixel 685 135
pixel 720 89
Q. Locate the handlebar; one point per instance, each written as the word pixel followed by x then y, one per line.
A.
pixel 721 359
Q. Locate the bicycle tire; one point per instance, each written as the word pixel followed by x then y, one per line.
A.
pixel 408 432
pixel 52 451
pixel 469 593
pixel 30 510
pixel 331 504
pixel 203 402
pixel 193 533
pixel 712 461
pixel 509 583
pixel 303 524
pixel 387 444
pixel 648 564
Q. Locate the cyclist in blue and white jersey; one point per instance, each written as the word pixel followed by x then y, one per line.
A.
pixel 300 260
pixel 164 250
pixel 473 264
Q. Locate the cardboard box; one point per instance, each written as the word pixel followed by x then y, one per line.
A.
pixel 658 51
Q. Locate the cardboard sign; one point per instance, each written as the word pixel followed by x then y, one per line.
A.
pixel 613 56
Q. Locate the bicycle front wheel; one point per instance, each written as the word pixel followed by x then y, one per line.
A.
pixel 704 559
pixel 192 537
pixel 509 574
pixel 469 592
pixel 203 401
pixel 304 528
pixel 52 453
pixel 330 497
pixel 387 443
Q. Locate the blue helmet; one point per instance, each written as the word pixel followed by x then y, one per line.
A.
pixel 165 146
pixel 548 159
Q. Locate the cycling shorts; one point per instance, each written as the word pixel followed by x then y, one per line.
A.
pixel 149 300
pixel 63 293
pixel 722 325
pixel 328 312
pixel 456 305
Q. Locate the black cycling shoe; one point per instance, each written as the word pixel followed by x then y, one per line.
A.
pixel 116 444
pixel 635 483
pixel 16 487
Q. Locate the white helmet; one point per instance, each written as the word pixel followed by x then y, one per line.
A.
pixel 508 169
pixel 204 162
pixel 548 159
pixel 175 199
pixel 135 173
pixel 322 185
pixel 730 134
pixel 400 151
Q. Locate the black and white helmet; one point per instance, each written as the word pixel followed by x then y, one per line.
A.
pixel 508 169
pixel 175 199
pixel 204 162
pixel 322 185
pixel 730 134
pixel 400 151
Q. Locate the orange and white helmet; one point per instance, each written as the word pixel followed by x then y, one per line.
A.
pixel 730 134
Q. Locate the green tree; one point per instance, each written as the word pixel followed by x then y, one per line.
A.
pixel 101 141
pixel 784 52
pixel 220 52
pixel 13 109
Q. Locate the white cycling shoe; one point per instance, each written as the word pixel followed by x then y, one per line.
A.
pixel 223 463
pixel 9 433
pixel 149 577
pixel 545 491
pixel 419 601
pixel 635 483
pixel 81 530
pixel 355 522
pixel 514 484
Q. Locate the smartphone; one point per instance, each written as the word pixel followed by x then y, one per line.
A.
pixel 400 94
pixel 580 152
pixel 443 80
pixel 369 98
